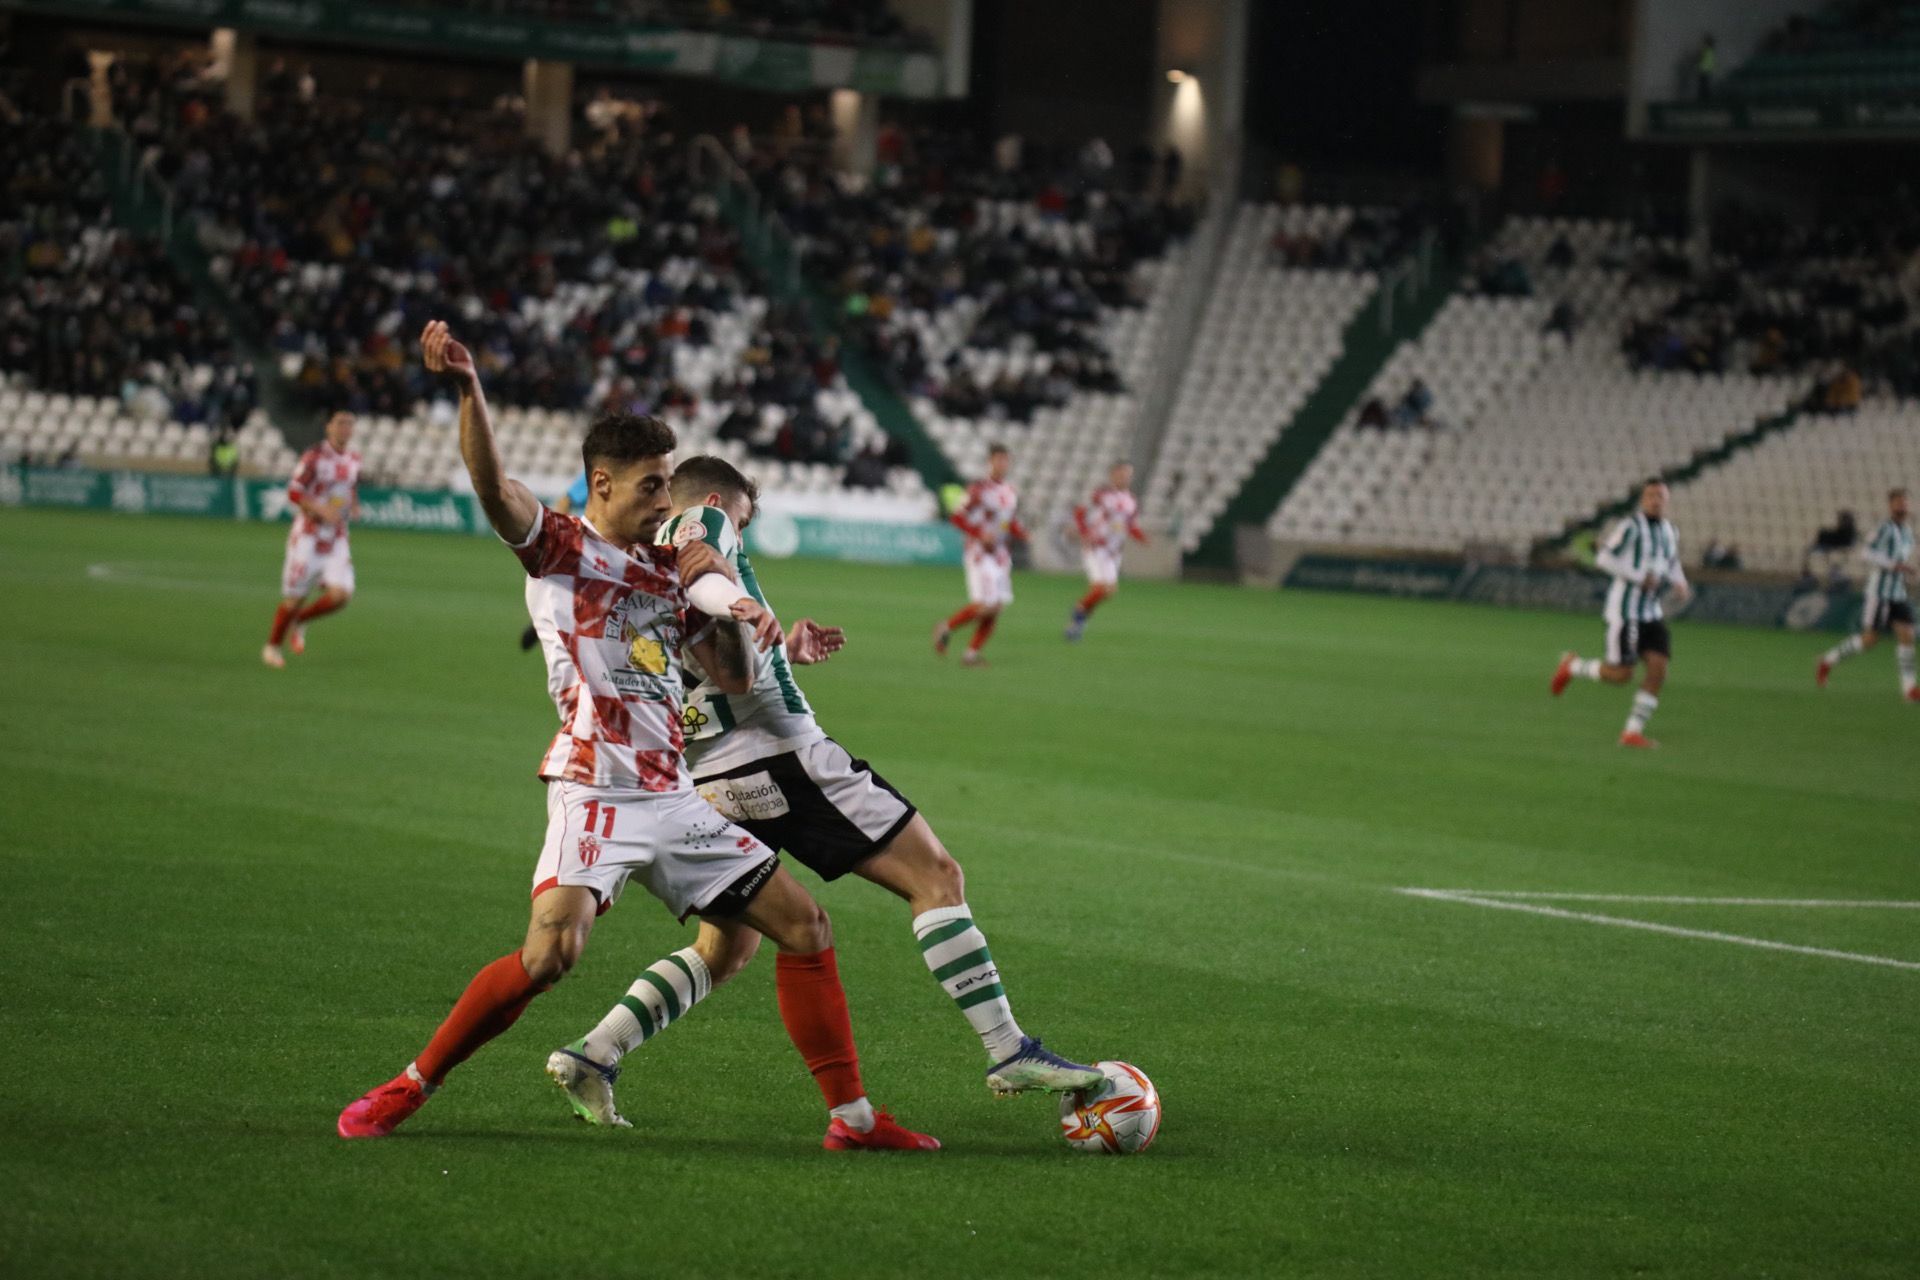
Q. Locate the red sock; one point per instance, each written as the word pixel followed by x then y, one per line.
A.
pixel 982 632
pixel 814 1006
pixel 320 608
pixel 492 1002
pixel 963 617
pixel 282 618
pixel 1094 596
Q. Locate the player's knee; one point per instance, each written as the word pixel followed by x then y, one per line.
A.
pixel 946 883
pixel 810 931
pixel 551 953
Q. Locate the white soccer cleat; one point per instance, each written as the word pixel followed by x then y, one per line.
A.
pixel 587 1084
pixel 272 656
pixel 1032 1067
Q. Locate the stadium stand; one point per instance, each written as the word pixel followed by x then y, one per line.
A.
pixel 1845 50
pixel 107 353
pixel 1270 333
pixel 841 21
pixel 1769 500
pixel 604 278
pixel 1535 420
pixel 1010 294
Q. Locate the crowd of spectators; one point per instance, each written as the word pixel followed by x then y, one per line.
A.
pixel 89 309
pixel 1034 243
pixel 1828 299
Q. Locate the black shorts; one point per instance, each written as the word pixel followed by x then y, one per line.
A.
pixel 1884 615
pixel 1628 642
pixel 827 810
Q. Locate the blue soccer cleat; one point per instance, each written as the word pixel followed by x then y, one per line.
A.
pixel 1032 1067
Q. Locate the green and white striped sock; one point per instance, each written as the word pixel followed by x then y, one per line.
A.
pixel 957 953
pixel 1904 655
pixel 1644 705
pixel 664 994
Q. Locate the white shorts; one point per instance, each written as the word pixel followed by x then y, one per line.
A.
pixel 670 841
pixel 989 579
pixel 1103 566
pixel 305 566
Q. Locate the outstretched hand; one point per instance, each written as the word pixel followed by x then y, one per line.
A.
pixel 808 642
pixel 443 354
pixel 766 627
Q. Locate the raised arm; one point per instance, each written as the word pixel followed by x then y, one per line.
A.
pixel 510 506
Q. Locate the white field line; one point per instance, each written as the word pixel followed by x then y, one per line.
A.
pixel 1864 904
pixel 1651 926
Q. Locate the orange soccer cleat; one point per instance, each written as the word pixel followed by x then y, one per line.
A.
pixel 1821 672
pixel 1639 740
pixel 884 1136
pixel 1562 674
pixel 381 1111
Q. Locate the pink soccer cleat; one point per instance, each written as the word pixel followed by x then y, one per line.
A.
pixel 884 1136
pixel 1639 740
pixel 380 1112
pixel 297 639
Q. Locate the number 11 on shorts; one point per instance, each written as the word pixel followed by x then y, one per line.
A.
pixel 594 810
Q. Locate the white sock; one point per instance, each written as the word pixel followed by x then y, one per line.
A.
pixel 1644 705
pixel 957 953
pixel 1905 655
pixel 663 995
pixel 1844 650
pixel 1586 668
pixel 413 1074
pixel 857 1114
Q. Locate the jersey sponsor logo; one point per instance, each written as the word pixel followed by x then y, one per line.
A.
pixel 589 850
pixel 756 797
pixel 645 654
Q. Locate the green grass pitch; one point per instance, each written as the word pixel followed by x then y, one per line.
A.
pixel 236 898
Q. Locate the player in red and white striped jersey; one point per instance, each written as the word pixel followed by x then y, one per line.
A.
pixel 325 496
pixel 987 518
pixel 613 619
pixel 1109 518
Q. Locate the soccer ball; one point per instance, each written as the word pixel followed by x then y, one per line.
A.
pixel 1117 1117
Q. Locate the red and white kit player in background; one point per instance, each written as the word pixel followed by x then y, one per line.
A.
pixel 988 521
pixel 1109 518
pixel 614 618
pixel 325 496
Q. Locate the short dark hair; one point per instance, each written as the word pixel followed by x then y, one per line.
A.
pixel 625 437
pixel 1900 492
pixel 1654 480
pixel 703 474
pixel 997 447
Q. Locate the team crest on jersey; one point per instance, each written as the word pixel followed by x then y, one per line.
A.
pixel 589 850
pixel 689 531
pixel 692 718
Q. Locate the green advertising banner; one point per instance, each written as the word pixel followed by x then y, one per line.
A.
pixel 1753 604
pixel 773 535
pixel 1783 118
pixel 778 65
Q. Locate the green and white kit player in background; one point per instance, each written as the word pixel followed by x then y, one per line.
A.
pixel 1642 555
pixel 1889 602
pixel 762 760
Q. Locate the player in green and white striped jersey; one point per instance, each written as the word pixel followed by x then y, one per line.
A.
pixel 763 759
pixel 1642 554
pixel 1888 605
